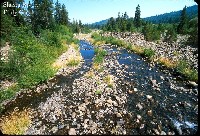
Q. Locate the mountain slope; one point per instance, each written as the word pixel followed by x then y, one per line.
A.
pixel 173 17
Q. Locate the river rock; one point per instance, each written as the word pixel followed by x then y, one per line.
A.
pixel 118 115
pixel 130 91
pixel 193 84
pixel 72 131
pixel 139 117
pixel 163 133
pixel 139 106
pixel 149 112
pixel 135 89
pixel 109 101
pixel 149 97
pixel 54 129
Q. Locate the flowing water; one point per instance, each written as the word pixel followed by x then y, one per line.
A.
pixel 173 104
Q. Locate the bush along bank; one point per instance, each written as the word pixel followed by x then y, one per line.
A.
pixel 181 66
pixel 30 58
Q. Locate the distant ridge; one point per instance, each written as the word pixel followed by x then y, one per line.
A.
pixel 172 17
pixel 100 23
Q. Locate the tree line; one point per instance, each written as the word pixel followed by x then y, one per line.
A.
pixel 38 15
pixel 153 32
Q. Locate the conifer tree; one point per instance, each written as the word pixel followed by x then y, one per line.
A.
pixel 57 15
pixel 64 20
pixel 41 15
pixel 182 27
pixel 137 17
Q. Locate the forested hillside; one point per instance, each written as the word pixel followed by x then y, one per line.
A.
pixel 173 16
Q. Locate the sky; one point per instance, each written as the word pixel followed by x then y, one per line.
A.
pixel 90 11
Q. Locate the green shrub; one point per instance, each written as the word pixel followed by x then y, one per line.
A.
pixel 34 75
pixel 50 38
pixel 149 53
pixel 73 62
pixel 30 58
pixel 129 47
pixel 151 33
pixel 184 68
pixel 8 93
pixel 100 53
pixel 97 92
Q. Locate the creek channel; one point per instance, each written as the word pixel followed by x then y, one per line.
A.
pixel 172 103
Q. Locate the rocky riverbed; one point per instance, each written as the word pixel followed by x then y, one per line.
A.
pixel 124 95
pixel 174 51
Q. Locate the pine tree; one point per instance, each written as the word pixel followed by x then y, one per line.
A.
pixel 137 17
pixel 111 24
pixel 182 27
pixel 124 22
pixel 80 25
pixel 118 22
pixel 42 15
pixel 64 20
pixel 57 15
pixel 130 25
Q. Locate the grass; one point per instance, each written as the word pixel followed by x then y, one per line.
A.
pixel 149 53
pixel 9 92
pixel 76 47
pixel 108 80
pixel 184 68
pixel 90 74
pixel 31 58
pixel 181 66
pixel 138 50
pixel 100 54
pixel 97 92
pixel 167 62
pixel 73 62
pixel 16 123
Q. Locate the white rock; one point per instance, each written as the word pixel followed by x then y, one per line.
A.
pixel 139 106
pixel 139 117
pixel 72 131
pixel 163 133
pixel 111 122
pixel 118 115
pixel 109 101
pixel 135 89
pixel 193 83
pixel 115 103
pixel 142 126
pixel 54 129
pixel 73 115
pixel 149 97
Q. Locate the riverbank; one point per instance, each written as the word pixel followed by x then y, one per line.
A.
pixel 174 51
pixel 158 56
pixel 122 95
pixel 12 110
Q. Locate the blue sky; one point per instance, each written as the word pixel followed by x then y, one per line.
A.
pixel 90 11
